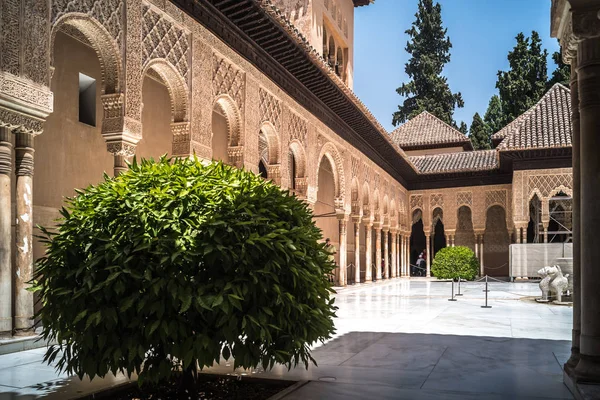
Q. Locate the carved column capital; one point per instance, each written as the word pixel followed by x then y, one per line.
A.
pixel 23 152
pixel 121 148
pixel 586 22
pixel 5 152
pixel 236 155
pixel 274 173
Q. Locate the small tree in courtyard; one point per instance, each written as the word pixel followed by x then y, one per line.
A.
pixel 455 262
pixel 174 264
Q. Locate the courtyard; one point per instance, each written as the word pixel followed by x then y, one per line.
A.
pixel 395 339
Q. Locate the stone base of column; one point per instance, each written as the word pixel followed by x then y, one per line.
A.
pixel 572 362
pixel 587 369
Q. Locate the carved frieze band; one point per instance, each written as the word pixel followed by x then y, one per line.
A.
pixel 36 98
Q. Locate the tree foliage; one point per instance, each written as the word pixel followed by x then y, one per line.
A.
pixel 479 134
pixel 428 90
pixel 463 128
pixel 455 262
pixel 525 82
pixel 174 264
pixel 493 118
pixel 562 73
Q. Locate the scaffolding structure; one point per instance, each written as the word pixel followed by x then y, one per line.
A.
pixel 560 222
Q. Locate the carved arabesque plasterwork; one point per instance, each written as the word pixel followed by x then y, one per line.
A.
pixel 164 39
pixel 547 184
pixel 297 128
pixel 416 201
pixel 355 167
pixel 436 200
pixel 227 79
pixel 270 109
pixel 109 13
pixel 464 199
pixel 495 197
pixel 31 95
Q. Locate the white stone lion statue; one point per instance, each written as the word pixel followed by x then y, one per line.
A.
pixel 553 283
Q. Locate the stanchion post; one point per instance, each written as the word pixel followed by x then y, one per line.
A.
pixel 486 293
pixel 452 299
pixel 459 293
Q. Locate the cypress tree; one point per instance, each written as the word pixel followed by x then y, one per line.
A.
pixel 463 128
pixel 493 117
pixel 525 82
pixel 428 90
pixel 479 134
pixel 562 73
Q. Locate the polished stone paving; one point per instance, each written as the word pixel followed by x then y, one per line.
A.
pixel 399 339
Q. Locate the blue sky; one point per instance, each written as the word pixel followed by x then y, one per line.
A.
pixel 481 31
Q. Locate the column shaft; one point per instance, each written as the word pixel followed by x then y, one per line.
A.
pixel 576 295
pixel 386 254
pixel 357 251
pixel 24 231
pixel 6 168
pixel 588 72
pixel 369 252
pixel 482 256
pixel 378 253
pixel 343 252
pixel 428 240
pixel 393 263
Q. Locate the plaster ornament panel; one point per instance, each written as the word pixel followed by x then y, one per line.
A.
pixel 464 199
pixel 109 13
pixel 10 41
pixel 366 173
pixel 355 167
pixel 297 128
pixel 416 201
pixel 163 38
pixel 26 93
pixel 133 61
pixel 493 197
pixel 227 79
pixel 376 181
pixel 35 41
pixel 436 200
pixel 547 184
pixel 15 120
pixel 120 148
pixel 270 109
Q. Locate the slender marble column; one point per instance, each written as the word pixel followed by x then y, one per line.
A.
pixel 406 255
pixel 588 76
pixel 574 359
pixel 369 252
pixel 24 231
pixel 377 252
pixel 343 251
pixel 357 250
pixel 477 246
pixel 428 240
pixel 482 256
pixel 545 233
pixel 120 165
pixel 386 253
pixel 518 234
pixel 393 263
pixel 5 231
pixel 453 237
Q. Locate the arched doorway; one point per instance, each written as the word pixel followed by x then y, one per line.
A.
pixel 496 242
pixel 465 234
pixel 418 241
pixel 225 129
pixel 560 208
pixel 262 170
pixel 324 209
pixel 439 235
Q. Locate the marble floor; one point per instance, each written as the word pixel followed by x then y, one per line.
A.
pixel 399 339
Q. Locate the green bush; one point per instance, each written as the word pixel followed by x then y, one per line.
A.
pixel 174 264
pixel 455 262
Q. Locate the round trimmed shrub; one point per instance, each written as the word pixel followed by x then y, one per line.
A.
pixel 176 263
pixel 455 262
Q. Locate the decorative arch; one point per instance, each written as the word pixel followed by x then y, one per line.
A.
pixel 533 193
pixel 330 151
pixel 393 219
pixel 176 86
pixel 561 188
pixel 233 117
pixel 437 215
pixel 376 206
pixel 272 140
pixel 417 214
pixel 366 201
pixel 101 41
pixel 355 197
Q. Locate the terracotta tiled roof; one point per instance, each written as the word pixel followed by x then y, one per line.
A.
pixel 545 125
pixel 456 162
pixel 427 131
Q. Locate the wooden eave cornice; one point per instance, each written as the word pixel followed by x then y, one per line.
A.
pixel 466 145
pixel 293 68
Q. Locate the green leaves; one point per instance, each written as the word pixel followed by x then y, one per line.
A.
pixel 428 90
pixel 174 263
pixel 455 262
